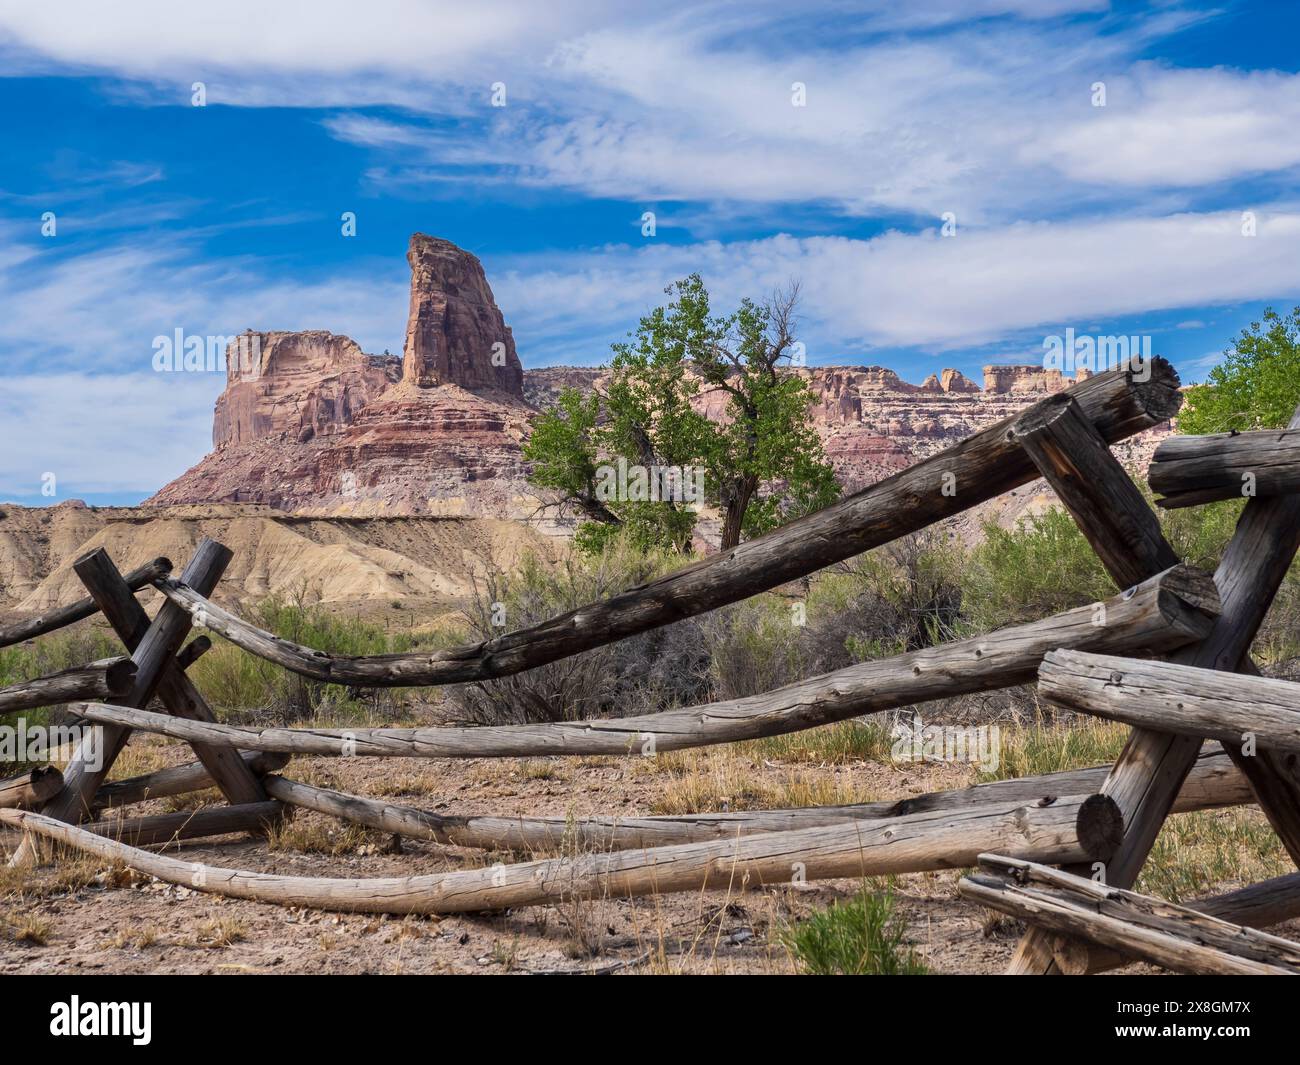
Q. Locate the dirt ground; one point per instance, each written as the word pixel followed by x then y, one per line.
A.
pixel 82 916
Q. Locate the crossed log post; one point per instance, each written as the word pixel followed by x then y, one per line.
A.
pixel 154 647
pixel 1124 531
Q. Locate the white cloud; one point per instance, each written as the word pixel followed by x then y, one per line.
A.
pixel 928 107
pixel 926 291
pixel 1180 128
pixel 101 432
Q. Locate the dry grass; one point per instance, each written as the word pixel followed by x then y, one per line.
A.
pixel 724 779
pixel 33 929
pixel 135 939
pixel 216 933
pixel 1206 852
pixel 319 835
pixel 146 755
pixel 865 739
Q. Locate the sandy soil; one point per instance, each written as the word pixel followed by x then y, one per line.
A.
pixel 96 919
pixel 122 923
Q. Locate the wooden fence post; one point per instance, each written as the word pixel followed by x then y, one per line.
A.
pixel 1153 765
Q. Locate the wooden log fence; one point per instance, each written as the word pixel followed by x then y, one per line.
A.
pixel 1192 470
pixel 1107 815
pixel 1138 926
pixel 1170 610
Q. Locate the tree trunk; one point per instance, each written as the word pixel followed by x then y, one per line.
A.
pixel 740 491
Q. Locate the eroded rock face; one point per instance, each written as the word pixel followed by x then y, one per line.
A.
pixel 296 386
pixel 454 333
pixel 309 422
pixel 1021 379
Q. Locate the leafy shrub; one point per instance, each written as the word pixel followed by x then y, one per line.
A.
pixel 1041 567
pixel 234 680
pixel 663 667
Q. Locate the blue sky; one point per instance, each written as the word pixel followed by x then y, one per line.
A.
pixel 1125 218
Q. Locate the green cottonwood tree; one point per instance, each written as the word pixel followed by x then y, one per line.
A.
pixel 761 461
pixel 1257 386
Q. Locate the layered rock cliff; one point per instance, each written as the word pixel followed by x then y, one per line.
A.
pixel 455 333
pixel 310 423
pixel 296 386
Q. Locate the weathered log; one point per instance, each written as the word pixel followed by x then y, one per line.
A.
pixel 1214 783
pixel 1261 905
pixel 190 824
pixel 99 680
pixel 1060 831
pixel 1191 470
pixel 1231 708
pixel 1119 402
pixel 30 789
pixel 1105 503
pixel 192 652
pixel 1168 611
pixel 153 645
pixel 176 691
pixel 30 627
pixel 1160 932
pixel 194 776
pixel 1153 765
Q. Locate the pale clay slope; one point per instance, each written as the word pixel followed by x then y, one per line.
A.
pixel 331 560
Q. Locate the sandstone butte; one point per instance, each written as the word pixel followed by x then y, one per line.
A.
pixel 311 424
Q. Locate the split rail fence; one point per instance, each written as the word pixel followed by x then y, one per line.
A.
pixel 1151 656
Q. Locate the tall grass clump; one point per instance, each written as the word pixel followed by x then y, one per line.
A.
pixel 1055 747
pixel 864 936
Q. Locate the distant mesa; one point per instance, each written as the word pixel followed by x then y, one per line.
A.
pixel 310 423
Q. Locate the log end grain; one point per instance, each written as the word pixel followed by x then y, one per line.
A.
pixel 1100 826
